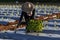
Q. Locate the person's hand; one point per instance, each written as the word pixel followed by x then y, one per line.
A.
pixel 22 26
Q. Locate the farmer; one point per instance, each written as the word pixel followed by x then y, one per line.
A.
pixel 28 12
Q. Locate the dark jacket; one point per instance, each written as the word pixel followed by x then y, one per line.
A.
pixel 27 18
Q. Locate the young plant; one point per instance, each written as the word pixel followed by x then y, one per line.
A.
pixel 35 26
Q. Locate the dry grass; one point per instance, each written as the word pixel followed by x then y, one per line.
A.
pixel 10 26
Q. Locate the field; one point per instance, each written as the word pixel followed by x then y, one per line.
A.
pixel 10 14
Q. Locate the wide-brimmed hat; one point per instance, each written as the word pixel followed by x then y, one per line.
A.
pixel 27 7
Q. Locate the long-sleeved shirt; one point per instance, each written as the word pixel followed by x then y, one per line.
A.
pixel 27 18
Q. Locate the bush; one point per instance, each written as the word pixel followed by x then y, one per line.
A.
pixel 35 26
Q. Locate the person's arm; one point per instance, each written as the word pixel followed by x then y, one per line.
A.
pixel 21 17
pixel 33 14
